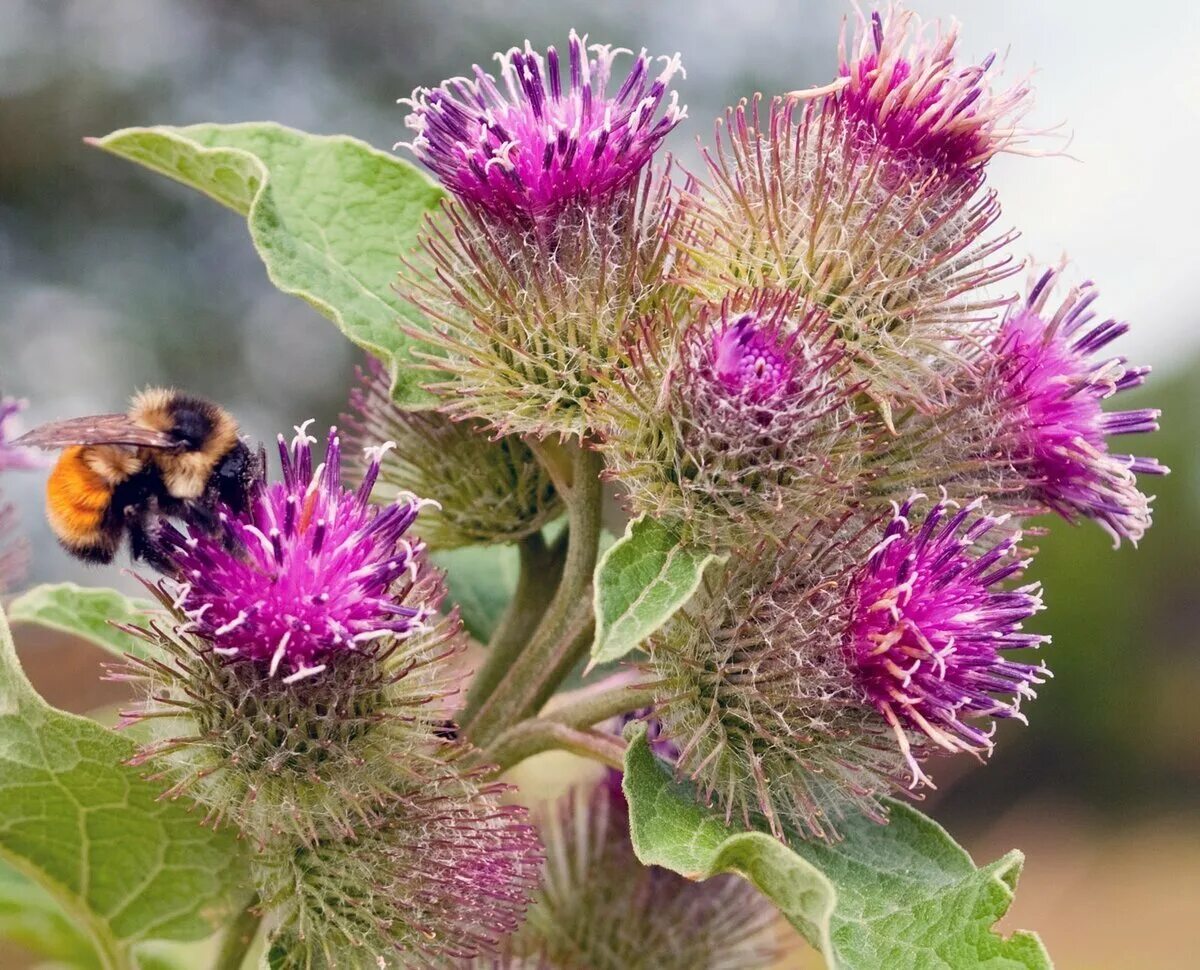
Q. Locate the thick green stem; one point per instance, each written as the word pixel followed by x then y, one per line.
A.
pixel 566 727
pixel 239 937
pixel 540 569
pixel 555 646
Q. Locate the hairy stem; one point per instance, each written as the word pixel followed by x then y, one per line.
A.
pixel 239 937
pixel 555 646
pixel 591 705
pixel 541 734
pixel 540 568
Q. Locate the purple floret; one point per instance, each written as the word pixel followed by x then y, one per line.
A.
pixel 523 151
pixel 930 619
pixel 311 570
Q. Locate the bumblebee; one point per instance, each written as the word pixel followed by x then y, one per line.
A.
pixel 171 455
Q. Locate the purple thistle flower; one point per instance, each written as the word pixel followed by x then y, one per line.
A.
pixel 311 570
pixel 12 457
pixel 1053 392
pixel 927 627
pixel 904 92
pixel 524 153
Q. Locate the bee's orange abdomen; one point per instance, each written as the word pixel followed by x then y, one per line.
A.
pixel 76 498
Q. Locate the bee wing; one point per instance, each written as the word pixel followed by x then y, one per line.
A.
pixel 96 429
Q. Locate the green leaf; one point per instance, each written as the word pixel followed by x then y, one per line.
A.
pixel 897 895
pixel 330 216
pixel 90 831
pixel 641 582
pixel 481 580
pixel 86 612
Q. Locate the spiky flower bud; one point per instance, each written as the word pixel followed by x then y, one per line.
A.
pixel 599 907
pixel 903 90
pixel 928 621
pixel 297 690
pixel 733 420
pixel 443 874
pixel 487 490
pixel 1045 391
pixel 901 266
pixel 524 155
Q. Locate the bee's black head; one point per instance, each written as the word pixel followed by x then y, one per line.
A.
pixel 192 421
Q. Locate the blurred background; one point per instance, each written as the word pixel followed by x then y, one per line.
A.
pixel 113 278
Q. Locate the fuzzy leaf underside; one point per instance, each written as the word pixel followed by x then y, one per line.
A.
pixel 330 216
pixel 86 612
pixel 641 582
pixel 90 831
pixel 897 895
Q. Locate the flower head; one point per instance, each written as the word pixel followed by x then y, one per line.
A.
pixel 758 697
pixel 734 418
pixel 597 906
pixel 928 624
pixel 524 329
pixel 10 456
pixel 444 873
pixel 752 359
pixel 902 269
pixel 507 496
pixel 904 92
pixel 1049 391
pixel 312 570
pixel 523 154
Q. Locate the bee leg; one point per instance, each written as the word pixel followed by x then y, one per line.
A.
pixel 203 516
pixel 144 527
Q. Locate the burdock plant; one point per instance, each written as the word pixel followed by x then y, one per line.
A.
pixel 824 392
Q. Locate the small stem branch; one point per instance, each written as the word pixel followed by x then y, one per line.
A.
pixel 533 737
pixel 239 937
pixel 540 569
pixel 556 645
pixel 591 705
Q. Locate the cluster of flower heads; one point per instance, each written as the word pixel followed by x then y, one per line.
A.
pixel 13 551
pixel 300 689
pixel 779 356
